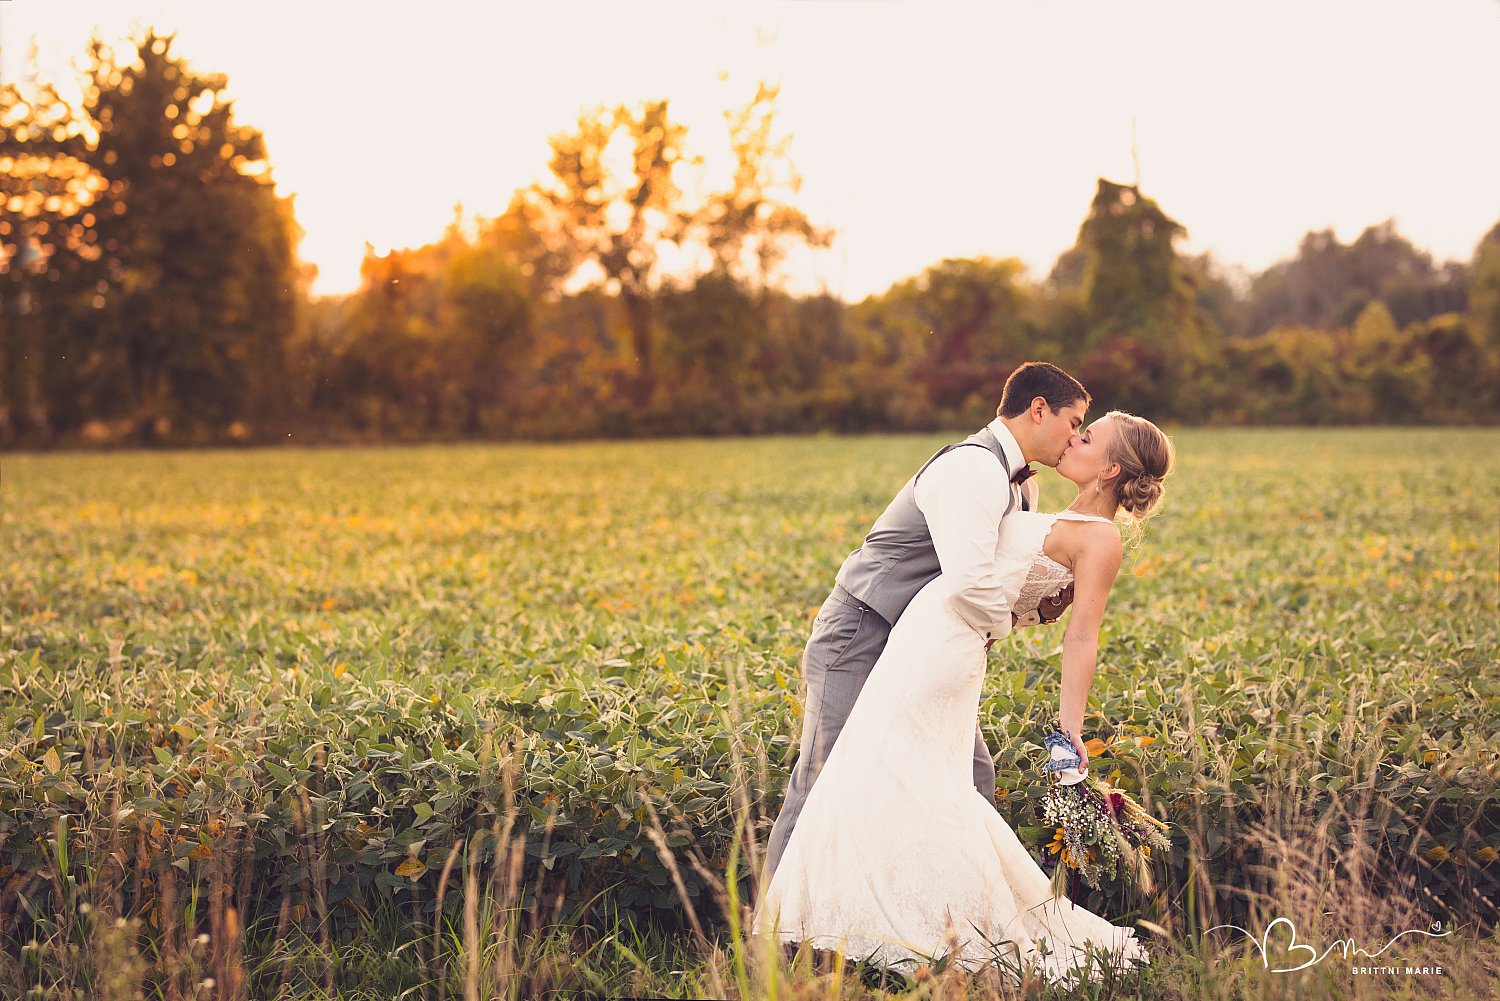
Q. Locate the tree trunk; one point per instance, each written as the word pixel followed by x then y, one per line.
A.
pixel 638 310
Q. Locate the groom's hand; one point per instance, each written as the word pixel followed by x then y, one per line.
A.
pixel 1051 609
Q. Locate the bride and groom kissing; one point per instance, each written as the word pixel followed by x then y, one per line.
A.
pixel 888 847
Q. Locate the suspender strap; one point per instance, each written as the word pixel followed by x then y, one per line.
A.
pixel 997 451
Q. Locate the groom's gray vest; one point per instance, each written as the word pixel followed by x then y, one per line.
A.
pixel 898 557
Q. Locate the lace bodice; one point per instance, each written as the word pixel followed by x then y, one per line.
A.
pixel 1045 576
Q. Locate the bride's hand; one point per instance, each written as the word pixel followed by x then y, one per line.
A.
pixel 1082 752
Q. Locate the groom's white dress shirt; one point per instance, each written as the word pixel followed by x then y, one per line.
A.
pixel 963 496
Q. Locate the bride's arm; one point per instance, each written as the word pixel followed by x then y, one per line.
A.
pixel 1095 566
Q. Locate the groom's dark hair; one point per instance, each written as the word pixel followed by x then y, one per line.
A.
pixel 1039 378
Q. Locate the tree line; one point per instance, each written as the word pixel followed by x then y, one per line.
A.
pixel 150 292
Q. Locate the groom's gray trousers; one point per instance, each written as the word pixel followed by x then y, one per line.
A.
pixel 846 640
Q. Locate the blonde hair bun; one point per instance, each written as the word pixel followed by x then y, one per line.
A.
pixel 1146 456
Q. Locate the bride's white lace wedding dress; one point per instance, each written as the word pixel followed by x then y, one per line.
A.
pixel 894 845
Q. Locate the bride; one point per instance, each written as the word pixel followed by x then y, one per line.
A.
pixel 896 858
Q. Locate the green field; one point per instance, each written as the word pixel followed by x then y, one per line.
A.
pixel 293 682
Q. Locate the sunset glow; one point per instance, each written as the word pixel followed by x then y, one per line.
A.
pixel 922 131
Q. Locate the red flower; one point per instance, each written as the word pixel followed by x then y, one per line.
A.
pixel 1116 802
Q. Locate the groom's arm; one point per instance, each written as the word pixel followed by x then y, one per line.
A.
pixel 1051 608
pixel 963 495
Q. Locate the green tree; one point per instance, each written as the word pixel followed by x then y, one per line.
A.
pixel 715 326
pixel 1289 375
pixel 486 319
pixel 614 195
pixel 389 369
pixel 1132 276
pixel 1142 301
pixel 1220 293
pixel 750 226
pixel 200 282
pixel 1383 382
pixel 804 358
pixel 1463 386
pixel 1484 290
pixel 1328 283
pixel 955 331
pixel 523 240
pixel 51 267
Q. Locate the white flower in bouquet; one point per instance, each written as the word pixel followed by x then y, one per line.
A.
pixel 1101 831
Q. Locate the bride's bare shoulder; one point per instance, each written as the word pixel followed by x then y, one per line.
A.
pixel 1070 539
pixel 1103 544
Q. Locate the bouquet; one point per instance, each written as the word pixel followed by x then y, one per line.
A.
pixel 1100 830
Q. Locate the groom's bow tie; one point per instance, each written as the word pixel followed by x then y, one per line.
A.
pixel 1023 474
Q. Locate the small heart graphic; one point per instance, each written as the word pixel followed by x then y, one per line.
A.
pixel 1275 953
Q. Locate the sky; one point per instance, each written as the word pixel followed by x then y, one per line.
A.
pixel 922 130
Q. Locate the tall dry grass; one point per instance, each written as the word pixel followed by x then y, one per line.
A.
pixel 133 931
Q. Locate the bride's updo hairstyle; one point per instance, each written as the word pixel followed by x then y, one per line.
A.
pixel 1145 456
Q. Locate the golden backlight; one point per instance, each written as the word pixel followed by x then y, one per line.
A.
pixel 922 130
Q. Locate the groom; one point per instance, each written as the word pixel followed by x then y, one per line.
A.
pixel 945 519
